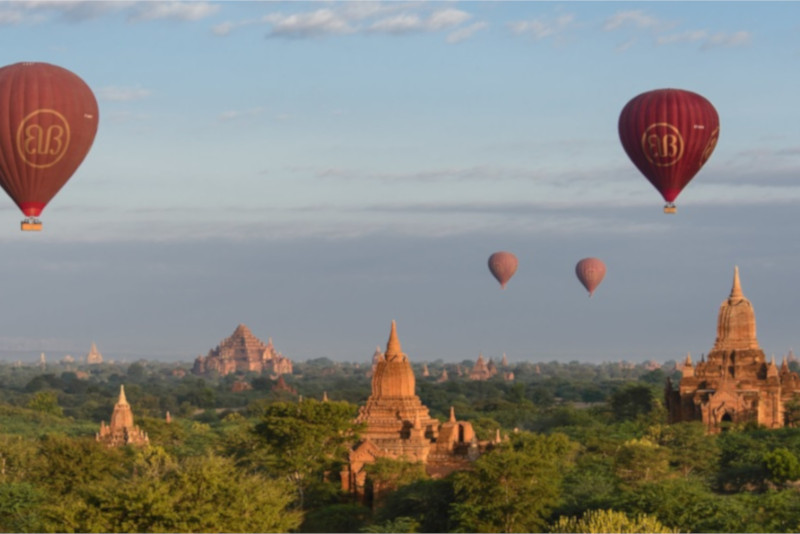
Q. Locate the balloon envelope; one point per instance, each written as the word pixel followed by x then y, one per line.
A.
pixel 503 265
pixel 590 272
pixel 669 134
pixel 48 121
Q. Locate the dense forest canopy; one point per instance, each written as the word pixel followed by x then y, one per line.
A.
pixel 586 448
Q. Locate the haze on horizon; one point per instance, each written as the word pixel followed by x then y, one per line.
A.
pixel 316 170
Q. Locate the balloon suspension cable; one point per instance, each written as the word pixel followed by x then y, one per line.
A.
pixel 31 224
pixel 669 207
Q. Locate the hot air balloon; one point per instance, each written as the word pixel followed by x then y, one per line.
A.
pixel 48 120
pixel 669 134
pixel 503 265
pixel 590 272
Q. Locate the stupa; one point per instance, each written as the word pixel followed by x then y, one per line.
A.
pixel 735 383
pixel 121 431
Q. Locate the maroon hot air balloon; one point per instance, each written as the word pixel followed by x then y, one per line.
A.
pixel 591 272
pixel 669 134
pixel 503 265
pixel 48 120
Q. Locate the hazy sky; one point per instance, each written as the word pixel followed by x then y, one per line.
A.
pixel 315 170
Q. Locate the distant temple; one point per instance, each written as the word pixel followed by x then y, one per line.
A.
pixel 94 357
pixel 243 352
pixel 735 384
pixel 121 431
pixel 399 426
pixel 482 370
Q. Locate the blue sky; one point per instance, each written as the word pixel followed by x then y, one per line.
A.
pixel 315 170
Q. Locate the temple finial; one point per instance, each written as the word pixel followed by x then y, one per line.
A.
pixel 452 414
pixel 688 359
pixel 393 349
pixel 122 399
pixel 736 290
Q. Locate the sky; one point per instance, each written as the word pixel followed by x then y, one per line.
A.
pixel 315 170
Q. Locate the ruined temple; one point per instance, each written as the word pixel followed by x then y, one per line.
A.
pixel 734 383
pixel 399 426
pixel 243 352
pixel 121 431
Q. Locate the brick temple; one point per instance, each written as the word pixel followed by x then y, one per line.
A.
pixel 399 426
pixel 735 383
pixel 243 352
pixel 121 431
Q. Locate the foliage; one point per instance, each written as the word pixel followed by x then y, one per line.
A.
pixel 46 402
pixel 601 521
pixel 308 438
pixel 514 487
pixel 782 465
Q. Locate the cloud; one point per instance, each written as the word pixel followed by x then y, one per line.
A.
pixel 465 33
pixel 10 17
pixel 123 94
pixel 312 24
pixel 367 18
pixel 637 19
pixel 539 28
pixel 180 11
pixel 706 39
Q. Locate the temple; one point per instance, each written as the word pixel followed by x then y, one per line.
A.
pixel 94 357
pixel 399 426
pixel 243 352
pixel 735 384
pixel 121 431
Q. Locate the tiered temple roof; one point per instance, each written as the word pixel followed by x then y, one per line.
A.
pixel 243 352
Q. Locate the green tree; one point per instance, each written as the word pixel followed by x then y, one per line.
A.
pixel 513 487
pixel 601 521
pixel 423 500
pixel 46 402
pixel 782 466
pixel 308 439
pixel 639 461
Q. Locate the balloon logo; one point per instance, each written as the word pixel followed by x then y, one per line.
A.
pixel 669 134
pixel 48 121
pixel 40 147
pixel 503 265
pixel 590 272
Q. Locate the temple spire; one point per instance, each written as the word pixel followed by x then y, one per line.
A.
pixel 736 290
pixel 452 414
pixel 122 399
pixel 393 349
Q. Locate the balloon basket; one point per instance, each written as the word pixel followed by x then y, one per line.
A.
pixel 31 225
pixel 670 208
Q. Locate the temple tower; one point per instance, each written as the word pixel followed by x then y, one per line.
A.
pixel 735 383
pixel 121 431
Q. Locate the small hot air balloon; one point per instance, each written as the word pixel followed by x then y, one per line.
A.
pixel 669 134
pixel 503 265
pixel 590 272
pixel 48 121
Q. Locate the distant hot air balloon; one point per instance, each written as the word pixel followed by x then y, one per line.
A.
pixel 503 265
pixel 669 134
pixel 590 272
pixel 48 120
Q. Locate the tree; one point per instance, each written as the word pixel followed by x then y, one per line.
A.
pixel 46 402
pixel 639 461
pixel 600 521
pixel 782 466
pixel 513 487
pixel 423 501
pixel 308 439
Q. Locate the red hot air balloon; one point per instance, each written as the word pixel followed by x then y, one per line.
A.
pixel 669 134
pixel 591 272
pixel 48 120
pixel 503 265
